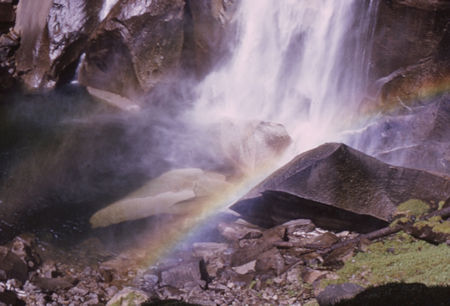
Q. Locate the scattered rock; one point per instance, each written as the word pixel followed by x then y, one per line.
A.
pixel 310 276
pixel 245 268
pixel 235 231
pixel 333 294
pixel 322 241
pixel 128 297
pixel 53 284
pixel 184 274
pixel 12 265
pixel 270 261
pixel 10 298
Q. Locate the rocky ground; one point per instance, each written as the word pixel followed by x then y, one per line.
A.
pixel 295 263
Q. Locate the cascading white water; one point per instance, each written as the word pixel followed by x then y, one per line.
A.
pixel 106 8
pixel 300 63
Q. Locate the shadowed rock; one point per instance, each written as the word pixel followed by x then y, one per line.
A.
pixel 53 35
pixel 338 187
pixel 211 20
pixel 135 47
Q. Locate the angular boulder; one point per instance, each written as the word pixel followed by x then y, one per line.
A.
pixel 53 35
pixel 339 187
pixel 135 47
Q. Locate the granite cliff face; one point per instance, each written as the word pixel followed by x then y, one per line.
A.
pixel 53 35
pixel 411 50
pixel 136 46
pixel 140 44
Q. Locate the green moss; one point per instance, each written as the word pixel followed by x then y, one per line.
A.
pixel 413 207
pixel 443 227
pixel 398 221
pixel 441 205
pixel 400 258
pixel 436 223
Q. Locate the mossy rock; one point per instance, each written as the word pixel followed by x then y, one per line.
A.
pixel 412 208
pixel 434 230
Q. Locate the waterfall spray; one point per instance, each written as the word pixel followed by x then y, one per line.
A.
pixel 303 64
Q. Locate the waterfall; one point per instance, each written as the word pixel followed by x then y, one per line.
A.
pixel 106 8
pixel 300 63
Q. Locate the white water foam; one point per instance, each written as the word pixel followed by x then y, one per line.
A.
pixel 300 63
pixel 106 8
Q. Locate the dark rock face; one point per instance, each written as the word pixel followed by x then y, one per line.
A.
pixel 53 34
pixel 408 52
pixel 8 45
pixel 406 33
pixel 7 15
pixel 135 47
pixel 339 176
pixel 210 25
pixel 425 4
pixel 418 139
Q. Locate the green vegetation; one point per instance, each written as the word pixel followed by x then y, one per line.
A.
pixel 399 258
pixel 413 207
pixel 436 224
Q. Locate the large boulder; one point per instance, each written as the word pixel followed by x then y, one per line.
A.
pixel 335 175
pixel 53 35
pixel 135 48
pixel 178 191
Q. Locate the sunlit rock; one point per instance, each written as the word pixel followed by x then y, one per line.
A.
pixel 338 187
pixel 251 145
pixel 113 99
pixel 136 47
pixel 53 34
pixel 175 192
pixel 128 296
